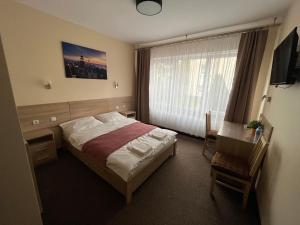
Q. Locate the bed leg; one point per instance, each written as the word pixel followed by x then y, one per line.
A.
pixel 174 148
pixel 128 198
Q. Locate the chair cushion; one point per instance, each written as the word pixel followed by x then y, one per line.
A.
pixel 230 165
pixel 212 134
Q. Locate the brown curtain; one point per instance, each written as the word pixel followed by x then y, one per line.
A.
pixel 250 54
pixel 142 92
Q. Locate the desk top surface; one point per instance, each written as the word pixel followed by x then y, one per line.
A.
pixel 237 131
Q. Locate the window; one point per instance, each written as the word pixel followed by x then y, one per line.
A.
pixel 189 79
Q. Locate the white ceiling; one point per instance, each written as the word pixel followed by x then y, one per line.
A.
pixel 119 18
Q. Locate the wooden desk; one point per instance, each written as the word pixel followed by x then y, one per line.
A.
pixel 236 140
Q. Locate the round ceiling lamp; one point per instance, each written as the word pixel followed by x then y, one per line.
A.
pixel 149 7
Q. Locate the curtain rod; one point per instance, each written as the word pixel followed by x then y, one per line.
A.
pixel 241 31
pixel 213 36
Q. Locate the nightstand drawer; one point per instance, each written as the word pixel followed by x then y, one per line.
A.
pixel 43 156
pixel 37 147
pixel 41 146
pixel 42 152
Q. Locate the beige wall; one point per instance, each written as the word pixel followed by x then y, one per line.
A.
pixel 32 44
pixel 264 72
pixel 18 199
pixel 279 189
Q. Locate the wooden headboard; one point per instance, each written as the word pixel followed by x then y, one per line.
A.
pixel 94 107
pixel 43 113
pixel 69 110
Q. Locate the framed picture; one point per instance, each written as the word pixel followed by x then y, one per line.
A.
pixel 82 62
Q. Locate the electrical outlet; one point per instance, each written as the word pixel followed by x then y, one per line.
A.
pixel 124 106
pixel 53 119
pixel 35 122
pixel 117 107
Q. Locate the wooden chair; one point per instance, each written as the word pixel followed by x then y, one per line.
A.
pixel 210 135
pixel 235 173
pixel 268 128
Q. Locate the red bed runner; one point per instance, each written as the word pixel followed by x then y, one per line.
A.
pixel 101 147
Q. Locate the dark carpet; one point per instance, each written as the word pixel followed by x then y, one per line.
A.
pixel 176 194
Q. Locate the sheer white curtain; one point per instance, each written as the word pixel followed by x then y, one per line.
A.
pixel 189 79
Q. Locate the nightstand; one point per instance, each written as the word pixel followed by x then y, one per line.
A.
pixel 129 114
pixel 41 146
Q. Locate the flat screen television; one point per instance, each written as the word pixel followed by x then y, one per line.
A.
pixel 284 60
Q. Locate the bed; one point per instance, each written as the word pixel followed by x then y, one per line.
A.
pixel 123 168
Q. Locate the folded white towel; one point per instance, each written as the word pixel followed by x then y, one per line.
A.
pixel 140 148
pixel 158 135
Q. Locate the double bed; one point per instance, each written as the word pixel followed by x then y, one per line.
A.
pixel 89 138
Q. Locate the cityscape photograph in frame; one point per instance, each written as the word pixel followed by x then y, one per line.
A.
pixel 82 62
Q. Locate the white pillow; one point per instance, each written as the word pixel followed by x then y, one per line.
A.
pixel 108 117
pixel 79 124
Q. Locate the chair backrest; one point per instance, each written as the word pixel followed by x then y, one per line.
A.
pixel 257 155
pixel 207 122
pixel 268 128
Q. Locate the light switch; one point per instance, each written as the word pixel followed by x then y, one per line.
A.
pixel 53 118
pixel 117 107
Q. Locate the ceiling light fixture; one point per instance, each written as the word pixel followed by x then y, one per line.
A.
pixel 149 7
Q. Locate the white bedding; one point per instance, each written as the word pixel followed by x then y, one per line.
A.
pixel 123 161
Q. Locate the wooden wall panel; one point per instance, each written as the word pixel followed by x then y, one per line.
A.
pixel 88 108
pixel 42 113
pixel 69 110
pixel 121 104
pixel 93 107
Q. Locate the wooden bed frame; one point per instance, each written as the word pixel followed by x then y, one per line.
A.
pixel 125 188
pixel 66 111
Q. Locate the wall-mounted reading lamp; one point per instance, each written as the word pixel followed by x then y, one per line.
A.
pixel 269 98
pixel 48 84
